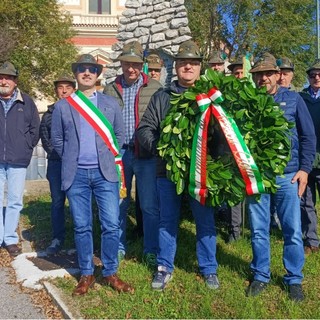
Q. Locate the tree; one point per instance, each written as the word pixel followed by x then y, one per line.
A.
pixel 204 22
pixel 284 28
pixel 39 46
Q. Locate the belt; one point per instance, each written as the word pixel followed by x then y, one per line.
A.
pixel 128 147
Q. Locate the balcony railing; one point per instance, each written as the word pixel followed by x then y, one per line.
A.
pixel 95 20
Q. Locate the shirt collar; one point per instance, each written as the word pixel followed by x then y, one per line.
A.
pixel 16 95
pixel 314 94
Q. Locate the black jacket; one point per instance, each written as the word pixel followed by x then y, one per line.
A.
pixel 45 134
pixel 148 132
pixel 19 131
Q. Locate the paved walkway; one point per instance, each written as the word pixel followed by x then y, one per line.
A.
pixel 14 304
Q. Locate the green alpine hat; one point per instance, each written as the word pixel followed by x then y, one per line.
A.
pixel 8 69
pixel 65 78
pixel 285 63
pixel 87 59
pixel 314 66
pixel 188 50
pixel 132 52
pixel 154 61
pixel 217 56
pixel 235 63
pixel 267 62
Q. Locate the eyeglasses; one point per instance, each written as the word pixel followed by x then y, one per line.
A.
pixel 268 74
pixel 184 62
pixel 133 65
pixel 82 68
pixel 314 75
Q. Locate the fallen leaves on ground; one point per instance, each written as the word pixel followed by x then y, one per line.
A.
pixel 40 298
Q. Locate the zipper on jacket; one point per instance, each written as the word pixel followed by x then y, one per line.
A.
pixel 5 137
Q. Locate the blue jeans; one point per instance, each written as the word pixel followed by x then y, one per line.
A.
pixel 145 173
pixel 9 216
pixel 170 204
pixel 287 205
pixel 309 219
pixel 58 198
pixel 86 183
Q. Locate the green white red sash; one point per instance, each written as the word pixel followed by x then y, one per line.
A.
pixel 198 172
pixel 103 127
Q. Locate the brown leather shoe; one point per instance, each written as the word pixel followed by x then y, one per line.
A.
pixel 311 249
pixel 13 250
pixel 83 286
pixel 117 284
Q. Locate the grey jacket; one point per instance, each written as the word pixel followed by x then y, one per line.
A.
pixel 65 137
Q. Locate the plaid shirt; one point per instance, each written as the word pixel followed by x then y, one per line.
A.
pixel 7 103
pixel 128 112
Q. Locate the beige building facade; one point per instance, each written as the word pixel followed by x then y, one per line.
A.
pixel 96 23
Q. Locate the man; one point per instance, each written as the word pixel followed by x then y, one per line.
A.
pixel 217 61
pixel 19 122
pixel 286 76
pixel 187 65
pixel 133 90
pixel 291 187
pixel 89 168
pixel 286 73
pixel 311 97
pixel 155 65
pixel 236 68
pixel 234 213
pixel 63 86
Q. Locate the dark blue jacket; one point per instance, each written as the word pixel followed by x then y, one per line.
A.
pixel 303 137
pixel 45 134
pixel 148 133
pixel 65 138
pixel 313 106
pixel 19 131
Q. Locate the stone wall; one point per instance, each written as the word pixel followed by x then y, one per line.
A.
pixel 156 24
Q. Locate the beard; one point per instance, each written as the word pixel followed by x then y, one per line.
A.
pixel 5 91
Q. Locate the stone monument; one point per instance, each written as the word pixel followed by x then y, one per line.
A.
pixel 157 24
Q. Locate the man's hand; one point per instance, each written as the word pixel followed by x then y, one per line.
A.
pixel 302 178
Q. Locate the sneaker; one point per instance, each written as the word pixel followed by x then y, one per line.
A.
pixel 150 260
pixel 295 292
pixel 255 288
pixel 121 256
pixel 212 281
pixel 54 247
pixel 160 279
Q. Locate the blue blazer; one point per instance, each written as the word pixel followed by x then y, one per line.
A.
pixel 65 137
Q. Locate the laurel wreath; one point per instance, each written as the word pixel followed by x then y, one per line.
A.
pixel 260 120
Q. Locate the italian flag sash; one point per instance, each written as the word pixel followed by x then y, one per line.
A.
pixel 209 105
pixel 103 127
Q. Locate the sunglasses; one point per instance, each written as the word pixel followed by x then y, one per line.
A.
pixel 92 69
pixel 313 75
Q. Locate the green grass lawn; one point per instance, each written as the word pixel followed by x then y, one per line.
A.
pixel 186 296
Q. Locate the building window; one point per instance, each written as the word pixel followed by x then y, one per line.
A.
pixel 99 6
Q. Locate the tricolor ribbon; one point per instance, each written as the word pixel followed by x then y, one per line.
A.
pixel 209 105
pixel 103 127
